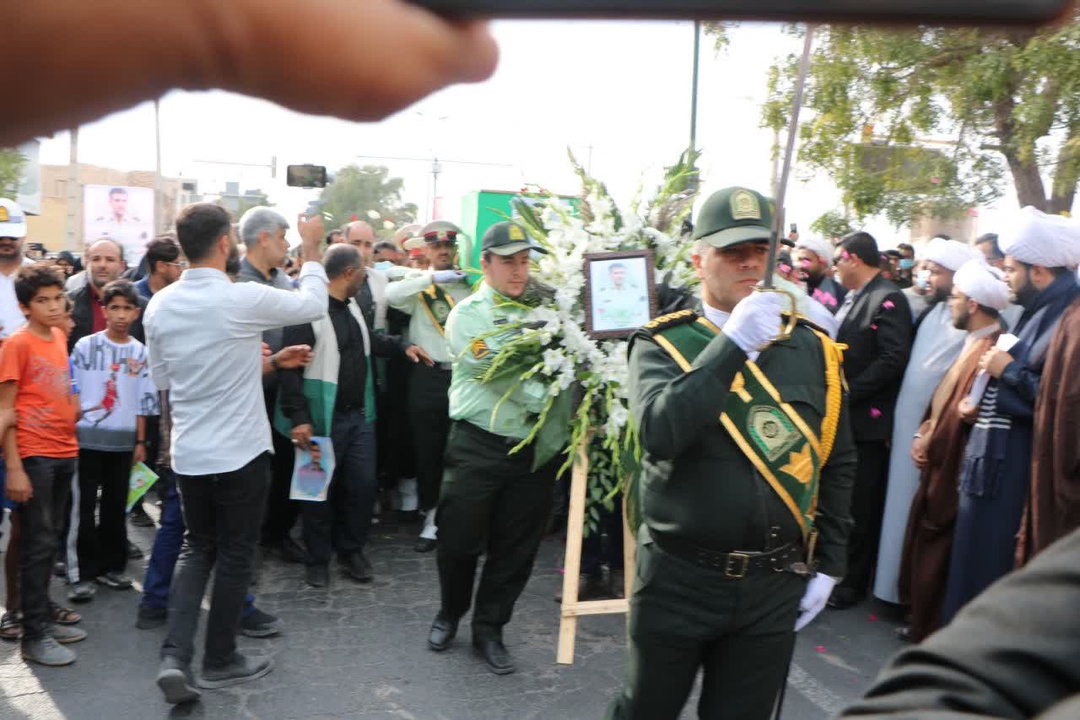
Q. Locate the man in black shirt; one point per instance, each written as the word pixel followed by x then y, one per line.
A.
pixel 334 397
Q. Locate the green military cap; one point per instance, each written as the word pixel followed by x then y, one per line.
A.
pixel 734 215
pixel 507 238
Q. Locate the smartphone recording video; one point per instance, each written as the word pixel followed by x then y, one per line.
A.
pixel 306 176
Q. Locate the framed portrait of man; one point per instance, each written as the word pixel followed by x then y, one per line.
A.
pixel 620 293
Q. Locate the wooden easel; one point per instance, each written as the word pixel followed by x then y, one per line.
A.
pixel 575 525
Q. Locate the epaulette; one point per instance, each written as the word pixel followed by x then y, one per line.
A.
pixel 670 320
pixel 803 320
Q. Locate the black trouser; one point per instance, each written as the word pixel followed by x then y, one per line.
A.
pixel 342 522
pixel 281 512
pixel 102 543
pixel 395 447
pixel 223 514
pixel 739 632
pixel 605 542
pixel 429 411
pixel 495 504
pixel 867 509
pixel 42 519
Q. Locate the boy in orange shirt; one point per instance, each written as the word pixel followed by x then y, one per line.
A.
pixel 41 451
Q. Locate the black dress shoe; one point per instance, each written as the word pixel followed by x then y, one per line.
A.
pixel 425 545
pixel 442 633
pixel 134 552
pixel 357 567
pixel 495 656
pixel 317 576
pixel 843 598
pixel 289 551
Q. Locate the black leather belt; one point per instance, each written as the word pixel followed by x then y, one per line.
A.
pixel 734 565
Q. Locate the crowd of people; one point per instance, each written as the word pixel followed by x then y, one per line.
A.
pixel 227 353
pixel 955 422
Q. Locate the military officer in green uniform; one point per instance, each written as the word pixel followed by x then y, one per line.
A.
pixel 748 464
pixel 491 503
pixel 427 297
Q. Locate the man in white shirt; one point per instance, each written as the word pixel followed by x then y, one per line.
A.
pixel 204 336
pixel 12 235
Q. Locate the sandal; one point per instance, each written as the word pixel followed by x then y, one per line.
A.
pixel 64 616
pixel 11 626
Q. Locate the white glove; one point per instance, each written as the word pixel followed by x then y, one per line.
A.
pixel 447 276
pixel 813 600
pixel 755 321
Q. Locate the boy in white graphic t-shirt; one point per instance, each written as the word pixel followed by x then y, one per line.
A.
pixel 118 395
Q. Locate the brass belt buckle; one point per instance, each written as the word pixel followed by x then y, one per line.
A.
pixel 736 574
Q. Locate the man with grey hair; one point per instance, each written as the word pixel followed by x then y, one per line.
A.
pixel 262 231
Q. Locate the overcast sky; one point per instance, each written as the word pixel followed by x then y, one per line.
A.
pixel 617 93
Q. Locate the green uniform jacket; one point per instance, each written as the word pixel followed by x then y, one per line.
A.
pixel 696 483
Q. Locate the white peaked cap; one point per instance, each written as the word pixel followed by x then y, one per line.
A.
pixel 949 254
pixel 984 284
pixel 1035 238
pixel 819 246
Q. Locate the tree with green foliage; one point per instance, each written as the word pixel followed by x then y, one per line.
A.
pixel 12 163
pixel 926 121
pixel 360 191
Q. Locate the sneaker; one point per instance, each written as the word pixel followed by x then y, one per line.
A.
pixel 259 624
pixel 82 592
pixel 134 552
pixel 139 516
pixel 65 634
pixel 174 679
pixel 46 651
pixel 239 670
pixel 150 618
pixel 11 626
pixel 60 569
pixel 114 580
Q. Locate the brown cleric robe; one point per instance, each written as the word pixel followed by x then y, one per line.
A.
pixel 924 566
pixel 1053 503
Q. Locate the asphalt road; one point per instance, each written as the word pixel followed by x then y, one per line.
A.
pixel 359 651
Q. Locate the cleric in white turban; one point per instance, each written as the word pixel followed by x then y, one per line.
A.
pixel 984 284
pixel 1035 238
pixel 819 246
pixel 949 254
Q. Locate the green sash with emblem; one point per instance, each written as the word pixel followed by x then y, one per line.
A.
pixel 774 437
pixel 437 304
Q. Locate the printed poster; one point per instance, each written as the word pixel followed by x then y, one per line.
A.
pixel 312 471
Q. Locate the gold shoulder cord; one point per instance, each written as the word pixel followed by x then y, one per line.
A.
pixel 834 356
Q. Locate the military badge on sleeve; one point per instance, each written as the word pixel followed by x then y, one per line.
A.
pixel 479 348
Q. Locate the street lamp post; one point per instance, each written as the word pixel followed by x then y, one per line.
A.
pixel 694 87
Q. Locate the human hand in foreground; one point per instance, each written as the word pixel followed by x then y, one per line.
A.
pixel 387 54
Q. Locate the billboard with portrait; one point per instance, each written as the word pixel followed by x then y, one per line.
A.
pixel 123 214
